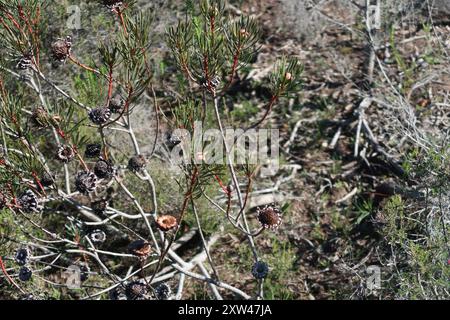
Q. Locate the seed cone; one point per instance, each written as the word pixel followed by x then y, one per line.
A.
pixel 260 270
pixel 162 291
pixel 269 217
pixel 29 202
pixel 136 290
pixel 118 294
pixel 22 256
pixel 61 49
pixel 93 150
pixel 137 163
pixel 140 248
pixel 116 104
pixel 40 118
pixel 25 274
pixel 166 222
pixel 97 236
pixel 25 61
pixel 85 182
pixel 99 115
pixel 46 179
pixel 103 169
pixel 99 206
pixel 65 154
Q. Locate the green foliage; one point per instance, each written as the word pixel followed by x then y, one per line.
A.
pixel 424 271
pixel 7 227
pixel 397 225
pixel 46 104
pixel 207 47
pixel 281 262
pixel 89 88
pixel 286 78
pixel 18 42
pixel 242 37
pixel 364 209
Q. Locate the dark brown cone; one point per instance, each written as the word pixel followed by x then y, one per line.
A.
pixel 269 217
pixel 61 49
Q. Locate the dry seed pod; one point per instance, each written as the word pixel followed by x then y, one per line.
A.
pixel 97 236
pixel 260 270
pixel 136 290
pixel 140 248
pixel 65 154
pixel 137 163
pixel 244 33
pixel 118 293
pixel 40 118
pixel 46 179
pixel 85 182
pixel 25 61
pixel 93 150
pixel 61 49
pixel 22 256
pixel 103 169
pixel 99 115
pixel 25 274
pixel 99 207
pixel 29 202
pixel 166 222
pixel 162 291
pixel 113 4
pixel 116 104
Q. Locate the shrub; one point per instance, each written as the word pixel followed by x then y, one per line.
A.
pixel 75 172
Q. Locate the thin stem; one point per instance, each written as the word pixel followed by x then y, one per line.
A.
pixel 234 178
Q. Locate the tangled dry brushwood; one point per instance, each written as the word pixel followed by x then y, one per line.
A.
pixel 388 125
pixel 395 124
